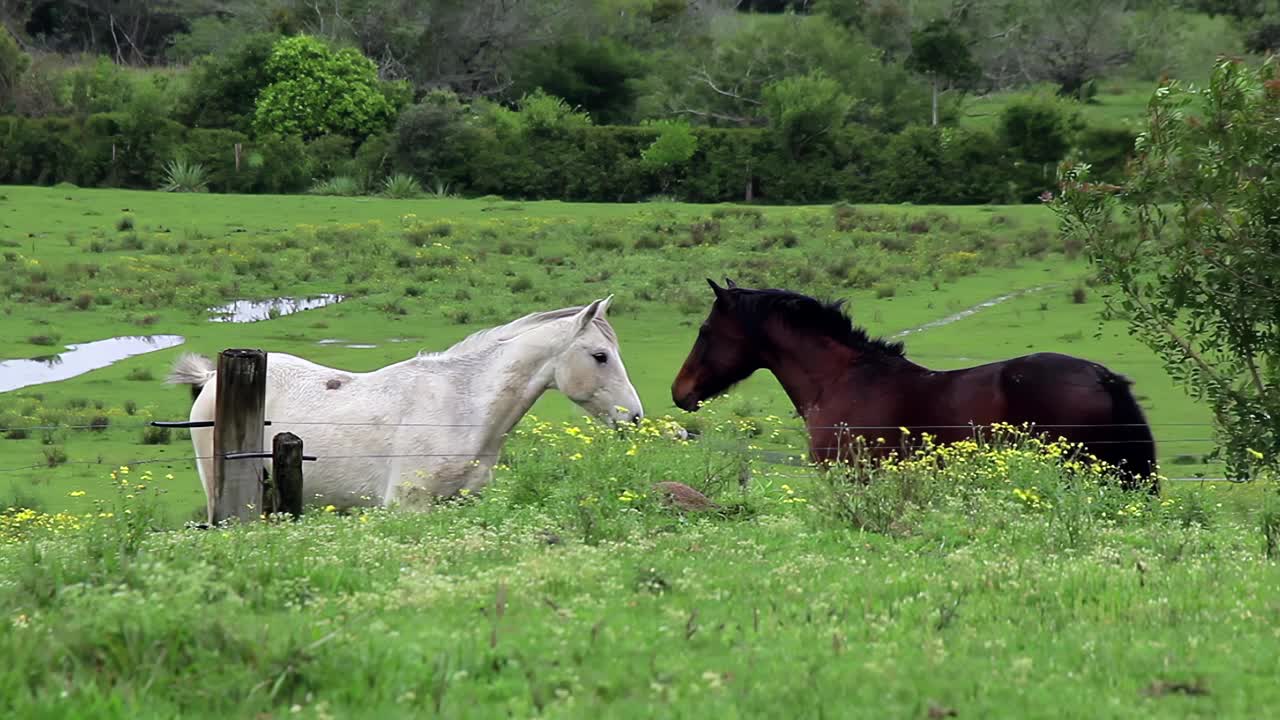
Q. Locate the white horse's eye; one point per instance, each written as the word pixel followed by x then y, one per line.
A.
pixel 601 358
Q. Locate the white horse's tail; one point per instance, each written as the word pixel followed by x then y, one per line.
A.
pixel 194 370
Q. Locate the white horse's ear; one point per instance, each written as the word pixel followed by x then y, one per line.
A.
pixel 585 316
pixel 604 305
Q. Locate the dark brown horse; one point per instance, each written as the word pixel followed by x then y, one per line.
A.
pixel 844 383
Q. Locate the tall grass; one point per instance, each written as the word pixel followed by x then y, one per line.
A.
pixel 569 588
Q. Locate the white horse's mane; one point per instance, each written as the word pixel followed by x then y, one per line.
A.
pixel 515 328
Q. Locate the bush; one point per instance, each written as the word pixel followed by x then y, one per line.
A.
pixel 1037 130
pixel 440 143
pixel 373 160
pixel 1107 150
pixel 401 187
pixel 432 140
pixel 274 160
pixel 670 151
pixel 215 151
pixel 183 176
pixel 156 435
pixel 41 152
pixel 1197 281
pixel 315 90
pixel 329 156
pixel 342 185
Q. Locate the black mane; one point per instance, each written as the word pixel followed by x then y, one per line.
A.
pixel 806 313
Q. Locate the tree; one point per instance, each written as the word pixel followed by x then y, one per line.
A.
pixel 674 146
pixel 1073 42
pixel 315 90
pixel 1264 37
pixel 223 91
pixel 129 31
pixel 596 75
pixel 802 109
pixel 722 83
pixel 1037 130
pixel 1238 9
pixel 887 23
pixel 13 63
pixel 1196 269
pixel 940 52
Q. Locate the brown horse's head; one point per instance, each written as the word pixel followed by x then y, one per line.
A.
pixel 722 356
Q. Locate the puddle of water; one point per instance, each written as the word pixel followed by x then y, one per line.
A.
pixel 968 312
pixel 246 311
pixel 79 359
pixel 344 343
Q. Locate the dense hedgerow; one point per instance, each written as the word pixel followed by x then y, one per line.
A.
pixel 587 163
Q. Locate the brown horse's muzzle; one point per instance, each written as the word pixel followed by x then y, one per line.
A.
pixel 684 394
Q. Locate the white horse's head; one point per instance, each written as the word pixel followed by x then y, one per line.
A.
pixel 589 369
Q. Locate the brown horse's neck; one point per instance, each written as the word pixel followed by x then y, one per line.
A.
pixel 811 368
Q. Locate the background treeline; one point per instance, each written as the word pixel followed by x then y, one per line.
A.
pixel 702 100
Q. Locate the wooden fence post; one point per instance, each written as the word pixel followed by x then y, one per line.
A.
pixel 238 418
pixel 286 474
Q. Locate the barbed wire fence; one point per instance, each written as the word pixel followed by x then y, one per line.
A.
pixel 790 455
pixel 243 490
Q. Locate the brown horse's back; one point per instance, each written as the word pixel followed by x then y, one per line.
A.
pixel 1083 402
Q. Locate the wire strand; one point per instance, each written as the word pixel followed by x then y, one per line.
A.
pixel 320 423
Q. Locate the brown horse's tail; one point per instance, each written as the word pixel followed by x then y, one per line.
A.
pixel 1131 446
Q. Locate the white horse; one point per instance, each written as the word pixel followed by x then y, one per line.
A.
pixel 432 424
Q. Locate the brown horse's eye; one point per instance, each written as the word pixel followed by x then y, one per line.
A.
pixel 600 357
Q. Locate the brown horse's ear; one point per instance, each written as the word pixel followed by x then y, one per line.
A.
pixel 721 294
pixel 730 284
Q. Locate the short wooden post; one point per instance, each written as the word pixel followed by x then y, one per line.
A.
pixel 286 474
pixel 238 418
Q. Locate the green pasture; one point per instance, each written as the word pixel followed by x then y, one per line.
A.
pixel 998 586
pixel 82 265
pixel 1000 583
pixel 1118 103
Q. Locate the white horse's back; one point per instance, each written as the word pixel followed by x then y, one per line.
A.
pixel 338 414
pixel 434 423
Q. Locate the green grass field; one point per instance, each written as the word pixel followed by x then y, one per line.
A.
pixel 1119 103
pixel 1001 585
pixel 429 280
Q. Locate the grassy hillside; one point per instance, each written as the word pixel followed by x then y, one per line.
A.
pixel 1119 103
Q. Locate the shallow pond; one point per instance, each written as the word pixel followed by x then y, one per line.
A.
pixel 344 343
pixel 79 359
pixel 246 311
